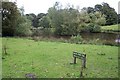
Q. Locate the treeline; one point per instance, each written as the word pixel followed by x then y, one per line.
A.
pixel 58 20
pixel 111 15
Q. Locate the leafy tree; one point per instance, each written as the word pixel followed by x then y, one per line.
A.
pixel 83 19
pixel 69 25
pixel 70 21
pixel 0 19
pixel 55 18
pixel 100 19
pixel 10 14
pixel 90 10
pixel 118 18
pixel 32 18
pixel 23 27
pixel 40 15
pixel 98 7
pixel 36 20
pixel 109 12
pixel 90 22
pixel 44 22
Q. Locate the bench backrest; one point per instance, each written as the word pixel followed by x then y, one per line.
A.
pixel 79 55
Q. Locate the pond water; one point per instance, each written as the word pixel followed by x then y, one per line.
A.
pixel 105 38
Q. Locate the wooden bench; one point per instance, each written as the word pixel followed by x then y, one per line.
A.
pixel 83 58
pixel 80 56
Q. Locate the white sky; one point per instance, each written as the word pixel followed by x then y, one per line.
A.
pixel 41 6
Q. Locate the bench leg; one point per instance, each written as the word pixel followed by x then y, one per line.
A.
pixel 74 60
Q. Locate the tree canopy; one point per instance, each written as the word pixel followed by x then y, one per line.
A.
pixel 9 15
pixel 60 21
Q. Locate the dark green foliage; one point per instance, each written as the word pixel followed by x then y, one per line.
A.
pixel 32 18
pixel 44 22
pixel 47 32
pixel 70 21
pixel 35 18
pixel 69 26
pixel 23 27
pixel 118 18
pixel 90 10
pixel 14 24
pixel 111 15
pixel 10 14
pixel 93 28
pixel 104 8
pixel 98 7
pixel 109 12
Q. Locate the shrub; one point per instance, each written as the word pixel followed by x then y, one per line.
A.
pixel 40 31
pixel 47 32
pixel 93 28
pixel 23 27
pixel 37 31
pixel 76 39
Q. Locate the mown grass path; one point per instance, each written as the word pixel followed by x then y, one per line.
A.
pixel 52 59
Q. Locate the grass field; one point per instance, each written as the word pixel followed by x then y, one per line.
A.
pixel 111 28
pixel 52 59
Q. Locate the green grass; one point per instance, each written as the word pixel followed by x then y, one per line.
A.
pixel 111 28
pixel 0 58
pixel 52 59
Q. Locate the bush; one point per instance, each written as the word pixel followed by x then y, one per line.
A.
pixel 42 31
pixel 76 39
pixel 37 31
pixel 47 32
pixel 23 27
pixel 93 28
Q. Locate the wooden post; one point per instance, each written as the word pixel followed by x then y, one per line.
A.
pixel 84 61
pixel 74 60
pixel 5 49
pixel 81 71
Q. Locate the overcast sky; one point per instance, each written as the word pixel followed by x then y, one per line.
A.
pixel 41 6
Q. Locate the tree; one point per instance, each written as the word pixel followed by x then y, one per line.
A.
pixel 10 14
pixel 100 19
pixel 98 7
pixel 36 20
pixel 23 27
pixel 55 19
pixel 70 21
pixel 90 22
pixel 90 10
pixel 69 25
pixel 32 18
pixel 118 18
pixel 0 24
pixel 109 12
pixel 44 22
